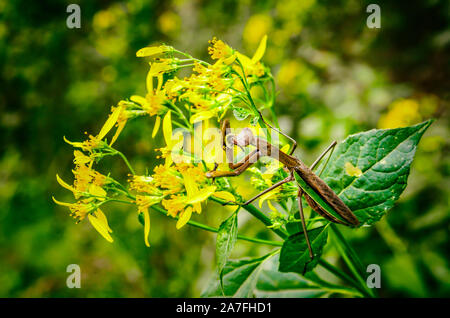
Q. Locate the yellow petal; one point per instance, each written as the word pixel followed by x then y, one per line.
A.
pixel 149 81
pixel 160 81
pixel 138 99
pixel 61 203
pixel 352 170
pixel 151 50
pixel 146 226
pixel 229 59
pixel 185 216
pixel 245 61
pixel 74 144
pixel 264 197
pixel 202 195
pixel 102 218
pixel 80 157
pixel 100 227
pixel 159 68
pixel 224 195
pixel 167 128
pixel 118 131
pixel 202 116
pixel 65 185
pixel 271 206
pixel 97 191
pixel 198 207
pixel 156 126
pixel 260 50
pixel 110 123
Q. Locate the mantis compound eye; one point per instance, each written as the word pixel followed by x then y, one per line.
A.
pixel 229 140
pixel 245 137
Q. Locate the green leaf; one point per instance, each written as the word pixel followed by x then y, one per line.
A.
pixel 260 278
pixel 369 170
pixel 226 239
pixel 239 278
pixel 294 255
pixel 274 284
pixel 241 113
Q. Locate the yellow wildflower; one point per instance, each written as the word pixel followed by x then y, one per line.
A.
pixel 168 179
pixel 144 202
pixel 97 218
pixel 95 142
pixel 219 50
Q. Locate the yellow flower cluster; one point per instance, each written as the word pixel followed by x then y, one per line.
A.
pixel 208 92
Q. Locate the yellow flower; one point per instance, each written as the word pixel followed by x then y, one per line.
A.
pixel 96 142
pixel 168 179
pixel 87 180
pixel 142 184
pixel 96 217
pixel 144 202
pixel 219 50
pixel 184 205
pixel 153 103
pixel 169 152
pixel 182 202
pixel 253 66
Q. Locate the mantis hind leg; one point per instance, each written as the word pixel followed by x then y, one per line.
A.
pixel 302 217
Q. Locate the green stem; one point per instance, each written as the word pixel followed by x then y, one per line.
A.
pixel 249 96
pixel 351 259
pixel 125 160
pixel 340 274
pixel 181 114
pixel 259 215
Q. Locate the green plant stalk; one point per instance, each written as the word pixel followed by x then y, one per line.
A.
pixel 340 274
pixel 259 215
pixel 125 160
pixel 249 96
pixel 351 259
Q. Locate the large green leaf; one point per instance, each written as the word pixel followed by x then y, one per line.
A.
pixel 294 255
pixel 383 157
pixel 226 239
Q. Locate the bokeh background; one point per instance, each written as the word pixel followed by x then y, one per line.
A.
pixel 335 76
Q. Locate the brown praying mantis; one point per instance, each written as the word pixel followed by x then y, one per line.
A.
pixel 319 196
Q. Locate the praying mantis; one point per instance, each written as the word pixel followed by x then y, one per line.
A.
pixel 319 196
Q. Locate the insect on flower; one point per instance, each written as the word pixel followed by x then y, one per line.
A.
pixel 317 193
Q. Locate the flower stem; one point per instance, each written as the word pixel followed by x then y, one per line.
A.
pixel 125 160
pixel 351 259
pixel 259 215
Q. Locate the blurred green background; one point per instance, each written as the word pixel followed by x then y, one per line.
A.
pixel 335 77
